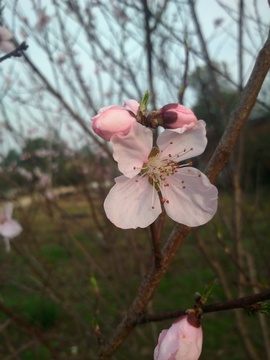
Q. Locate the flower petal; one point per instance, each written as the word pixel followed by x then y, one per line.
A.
pixel 131 151
pixel 112 120
pixel 192 199
pixel 167 345
pixel 132 203
pixel 6 46
pixel 177 116
pixel 181 144
pixel 181 341
pixel 10 229
pixel 132 105
pixel 5 34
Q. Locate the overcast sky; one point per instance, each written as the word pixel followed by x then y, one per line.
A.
pixel 221 41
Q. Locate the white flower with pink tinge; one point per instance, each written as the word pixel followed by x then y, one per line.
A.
pixel 6 45
pixel 9 228
pixel 154 175
pixel 182 341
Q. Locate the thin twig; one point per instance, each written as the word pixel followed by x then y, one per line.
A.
pixel 156 244
pixel 240 303
pixel 15 53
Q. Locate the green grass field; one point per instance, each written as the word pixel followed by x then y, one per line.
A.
pixel 64 276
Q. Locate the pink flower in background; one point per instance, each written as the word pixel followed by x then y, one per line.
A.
pixel 49 194
pixel 115 120
pixel 182 341
pixel 6 45
pixel 61 59
pixel 8 80
pixel 151 175
pixel 177 116
pixel 44 183
pixel 218 22
pixel 43 20
pixel 25 173
pixel 23 34
pixel 83 170
pixel 32 131
pixel 24 20
pixel 42 153
pixel 9 228
pixel 45 180
pixel 25 156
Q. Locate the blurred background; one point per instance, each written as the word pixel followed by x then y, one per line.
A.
pixel 71 273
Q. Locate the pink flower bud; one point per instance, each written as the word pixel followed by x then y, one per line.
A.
pixel 177 116
pixel 182 341
pixel 115 120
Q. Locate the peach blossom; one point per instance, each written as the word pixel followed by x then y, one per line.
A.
pixel 182 341
pixel 177 116
pixel 6 45
pixel 115 120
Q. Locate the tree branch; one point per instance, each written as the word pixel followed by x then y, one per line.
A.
pixel 15 53
pixel 216 164
pixel 240 303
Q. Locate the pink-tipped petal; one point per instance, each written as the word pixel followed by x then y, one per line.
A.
pixel 132 105
pixel 131 151
pixel 132 203
pixel 176 116
pixel 185 144
pixel 112 120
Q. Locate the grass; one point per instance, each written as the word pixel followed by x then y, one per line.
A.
pixel 46 281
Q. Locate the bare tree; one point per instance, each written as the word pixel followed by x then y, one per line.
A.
pixel 84 55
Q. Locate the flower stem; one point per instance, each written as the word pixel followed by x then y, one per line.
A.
pixel 156 244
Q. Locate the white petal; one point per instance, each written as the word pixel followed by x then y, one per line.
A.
pixel 132 105
pixel 10 229
pixel 132 203
pixel 168 342
pixel 131 151
pixel 186 144
pixel 192 199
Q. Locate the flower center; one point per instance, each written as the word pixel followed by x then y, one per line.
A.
pixel 158 169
